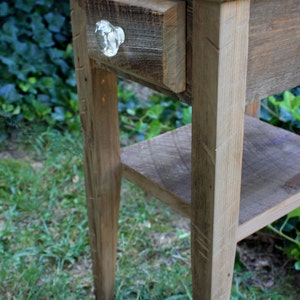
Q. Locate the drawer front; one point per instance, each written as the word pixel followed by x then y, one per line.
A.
pixel 153 36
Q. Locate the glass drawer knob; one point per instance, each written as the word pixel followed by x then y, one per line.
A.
pixel 109 37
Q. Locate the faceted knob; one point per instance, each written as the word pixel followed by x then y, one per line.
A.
pixel 109 37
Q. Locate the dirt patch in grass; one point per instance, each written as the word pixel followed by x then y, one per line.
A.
pixel 268 266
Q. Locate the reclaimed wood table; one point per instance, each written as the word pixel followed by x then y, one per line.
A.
pixel 230 174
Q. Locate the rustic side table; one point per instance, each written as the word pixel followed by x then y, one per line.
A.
pixel 218 56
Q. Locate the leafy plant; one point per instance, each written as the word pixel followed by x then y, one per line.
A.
pixel 37 81
pixel 140 120
pixel 288 228
pixel 283 110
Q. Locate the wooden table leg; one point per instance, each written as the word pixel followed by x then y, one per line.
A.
pixel 97 91
pixel 220 46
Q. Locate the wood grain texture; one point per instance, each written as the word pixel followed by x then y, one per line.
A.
pixel 154 47
pixel 183 96
pixel 270 180
pixel 217 55
pixel 270 176
pixel 97 91
pixel 220 35
pixel 162 167
pixel 274 47
pixel 274 51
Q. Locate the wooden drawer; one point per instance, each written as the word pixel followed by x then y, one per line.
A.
pixel 154 45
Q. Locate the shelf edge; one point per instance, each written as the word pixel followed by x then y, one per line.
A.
pixel 157 191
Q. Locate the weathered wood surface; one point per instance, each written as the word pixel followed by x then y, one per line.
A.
pixel 162 166
pixel 274 47
pixel 154 47
pixel 216 86
pixel 270 180
pixel 97 91
pixel 220 35
pixel 274 51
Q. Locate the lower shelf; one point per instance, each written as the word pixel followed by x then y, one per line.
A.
pixel 270 177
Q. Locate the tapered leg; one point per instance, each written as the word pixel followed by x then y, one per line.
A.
pixel 220 45
pixel 97 91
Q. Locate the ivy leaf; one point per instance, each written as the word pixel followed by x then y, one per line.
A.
pixel 40 109
pixel 47 82
pixel 187 115
pixel 55 21
pixel 155 111
pixel 55 53
pixel 285 114
pixel 288 100
pixel 46 3
pixel 141 127
pixel 16 110
pixel 64 67
pixel 9 93
pixel 59 113
pixel 25 5
pixel 9 31
pixel 155 128
pixel 8 61
pixel 71 81
pixel 34 36
pixel 20 48
pixel 40 34
pixel 4 9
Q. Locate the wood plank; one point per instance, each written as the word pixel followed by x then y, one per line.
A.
pixel 162 166
pixel 220 46
pixel 270 181
pixel 274 47
pixel 270 178
pixel 97 92
pixel 274 51
pixel 154 47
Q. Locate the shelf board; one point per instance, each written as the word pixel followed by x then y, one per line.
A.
pixel 270 177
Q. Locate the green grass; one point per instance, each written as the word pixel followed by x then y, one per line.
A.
pixel 43 237
pixel 44 251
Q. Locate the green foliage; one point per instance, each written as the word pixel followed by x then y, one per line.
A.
pixel 37 82
pixel 43 222
pixel 140 120
pixel 44 234
pixel 283 110
pixel 288 228
pixel 153 258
